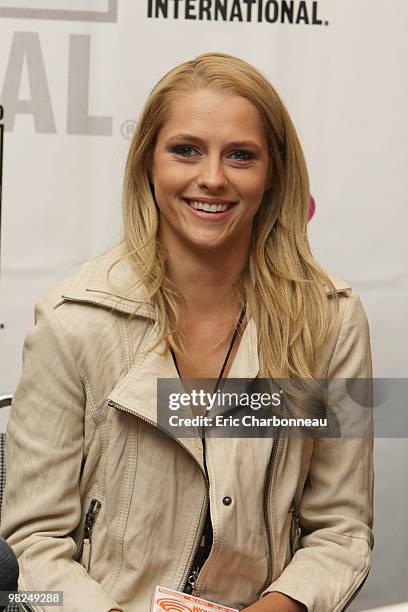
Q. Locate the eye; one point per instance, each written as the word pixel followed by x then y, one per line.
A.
pixel 243 155
pixel 184 150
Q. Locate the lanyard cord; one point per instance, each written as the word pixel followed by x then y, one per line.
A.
pixel 224 365
pixel 207 534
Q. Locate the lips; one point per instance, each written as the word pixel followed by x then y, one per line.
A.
pixel 208 208
pixel 210 205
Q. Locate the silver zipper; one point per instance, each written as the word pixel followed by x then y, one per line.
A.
pixel 192 579
pixel 188 573
pixel 90 518
pixel 268 482
pixel 191 576
pixel 295 531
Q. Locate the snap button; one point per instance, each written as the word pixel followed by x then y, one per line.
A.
pixel 227 501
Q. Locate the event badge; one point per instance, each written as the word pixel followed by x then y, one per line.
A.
pixel 167 600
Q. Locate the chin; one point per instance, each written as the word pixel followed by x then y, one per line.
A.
pixel 207 245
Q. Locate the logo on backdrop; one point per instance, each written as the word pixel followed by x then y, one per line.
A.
pixel 66 10
pixel 295 12
pixel 26 64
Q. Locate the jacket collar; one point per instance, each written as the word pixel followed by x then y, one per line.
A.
pixel 92 285
pixel 116 292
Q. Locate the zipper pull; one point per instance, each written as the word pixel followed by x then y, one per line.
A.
pixel 295 530
pixel 86 552
pixel 192 579
pixel 91 517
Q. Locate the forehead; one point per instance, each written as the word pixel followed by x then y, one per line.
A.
pixel 209 112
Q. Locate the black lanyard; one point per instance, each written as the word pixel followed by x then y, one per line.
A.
pixel 224 365
pixel 207 534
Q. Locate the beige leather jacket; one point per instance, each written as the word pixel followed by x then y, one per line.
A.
pixel 102 506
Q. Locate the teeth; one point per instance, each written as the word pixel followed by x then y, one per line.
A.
pixel 207 207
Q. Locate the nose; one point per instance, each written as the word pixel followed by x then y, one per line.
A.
pixel 211 174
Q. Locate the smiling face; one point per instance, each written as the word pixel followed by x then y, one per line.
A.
pixel 210 169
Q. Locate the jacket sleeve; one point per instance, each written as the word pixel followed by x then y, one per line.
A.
pixel 44 450
pixel 335 511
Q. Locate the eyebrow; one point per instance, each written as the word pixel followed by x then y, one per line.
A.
pixel 236 143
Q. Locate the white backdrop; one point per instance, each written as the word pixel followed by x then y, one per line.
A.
pixel 73 77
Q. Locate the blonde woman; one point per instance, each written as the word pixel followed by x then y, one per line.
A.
pixel 214 279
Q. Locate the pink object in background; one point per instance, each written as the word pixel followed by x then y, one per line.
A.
pixel 312 208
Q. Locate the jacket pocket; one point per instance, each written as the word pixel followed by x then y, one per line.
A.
pixel 295 531
pixel 84 553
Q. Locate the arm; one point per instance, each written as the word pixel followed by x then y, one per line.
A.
pixel 336 507
pixel 42 504
pixel 276 602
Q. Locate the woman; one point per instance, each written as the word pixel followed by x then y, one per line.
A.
pixel 214 278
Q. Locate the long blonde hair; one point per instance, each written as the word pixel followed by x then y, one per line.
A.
pixel 281 285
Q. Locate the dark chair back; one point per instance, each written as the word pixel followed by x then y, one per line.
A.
pixel 5 400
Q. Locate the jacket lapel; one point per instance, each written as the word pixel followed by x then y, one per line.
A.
pixel 137 392
pixel 114 287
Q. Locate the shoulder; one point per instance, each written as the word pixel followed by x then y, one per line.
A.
pixel 350 309
pixel 340 285
pixel 88 307
pixel 346 352
pixel 109 280
pixel 347 311
pixel 88 274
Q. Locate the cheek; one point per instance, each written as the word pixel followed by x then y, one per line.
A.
pixel 170 179
pixel 253 187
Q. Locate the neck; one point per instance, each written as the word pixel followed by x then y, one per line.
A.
pixel 205 278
